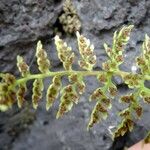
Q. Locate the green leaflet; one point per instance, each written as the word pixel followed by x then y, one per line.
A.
pixel 42 60
pixel 37 92
pixel 22 89
pixel 53 91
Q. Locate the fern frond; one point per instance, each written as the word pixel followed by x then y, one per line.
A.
pixel 137 83
pixel 69 19
pixel 115 53
pixel 12 89
pixel 103 102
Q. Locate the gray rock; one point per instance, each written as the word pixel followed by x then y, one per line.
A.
pixel 22 23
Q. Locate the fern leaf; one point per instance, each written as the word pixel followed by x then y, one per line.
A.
pixel 86 51
pixel 22 66
pixel 65 53
pixel 53 91
pixel 12 88
pixel 37 92
pixel 42 60
pixel 22 89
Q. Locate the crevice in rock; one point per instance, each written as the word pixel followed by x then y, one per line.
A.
pixel 119 143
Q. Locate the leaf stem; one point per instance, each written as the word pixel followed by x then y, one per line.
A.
pixel 81 73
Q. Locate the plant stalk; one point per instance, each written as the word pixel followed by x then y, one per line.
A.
pixel 81 73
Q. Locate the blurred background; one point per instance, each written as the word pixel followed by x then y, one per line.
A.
pixel 22 24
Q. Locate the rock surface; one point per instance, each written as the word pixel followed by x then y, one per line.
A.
pixel 22 24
